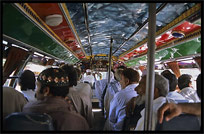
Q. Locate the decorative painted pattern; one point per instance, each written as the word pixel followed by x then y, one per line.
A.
pixel 174 23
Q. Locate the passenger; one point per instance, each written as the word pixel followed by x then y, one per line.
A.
pixel 160 91
pixel 89 77
pixel 198 85
pixel 187 91
pixel 173 94
pixel 112 89
pixel 53 84
pixel 100 85
pixel 177 109
pixel 27 83
pixel 81 102
pixel 82 87
pixel 13 101
pixel 129 80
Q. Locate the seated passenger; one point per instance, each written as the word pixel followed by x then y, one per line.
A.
pixel 81 102
pixel 27 84
pixel 129 80
pixel 89 77
pixel 173 94
pixel 187 91
pixel 112 89
pixel 13 101
pixel 53 84
pixel 82 87
pixel 100 85
pixel 160 91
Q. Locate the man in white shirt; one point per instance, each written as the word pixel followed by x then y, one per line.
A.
pixel 89 77
pixel 129 80
pixel 84 88
pixel 173 95
pixel 160 91
pixel 27 83
pixel 112 89
pixel 187 91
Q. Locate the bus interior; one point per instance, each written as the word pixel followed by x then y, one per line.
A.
pixel 99 36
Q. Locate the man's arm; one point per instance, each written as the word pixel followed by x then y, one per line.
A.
pixel 177 109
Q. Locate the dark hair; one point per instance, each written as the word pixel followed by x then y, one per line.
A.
pixel 78 73
pixel 184 80
pixel 131 74
pixel 27 80
pixel 71 73
pixel 165 72
pixel 198 85
pixel 56 79
pixel 121 67
pixel 172 80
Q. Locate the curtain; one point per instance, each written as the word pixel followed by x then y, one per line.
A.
pixel 198 61
pixel 50 62
pixel 174 67
pixel 13 61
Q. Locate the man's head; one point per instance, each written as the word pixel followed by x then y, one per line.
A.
pixel 198 85
pixel 172 80
pixel 71 73
pixel 88 72
pixel 52 82
pixel 78 73
pixel 161 86
pixel 185 80
pixel 129 76
pixel 118 72
pixel 27 80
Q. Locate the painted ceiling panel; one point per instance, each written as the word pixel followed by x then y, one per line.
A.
pixel 17 26
pixel 119 20
pixel 63 31
pixel 189 48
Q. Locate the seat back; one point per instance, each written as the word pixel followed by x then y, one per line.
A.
pixel 184 122
pixel 28 121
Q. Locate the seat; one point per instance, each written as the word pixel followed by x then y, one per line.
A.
pixel 28 121
pixel 184 122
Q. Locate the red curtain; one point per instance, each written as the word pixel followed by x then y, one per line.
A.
pixel 50 62
pixel 174 67
pixel 13 61
pixel 198 61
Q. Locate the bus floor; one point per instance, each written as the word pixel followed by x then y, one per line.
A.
pixel 99 120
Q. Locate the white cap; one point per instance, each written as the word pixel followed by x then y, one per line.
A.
pixel 88 71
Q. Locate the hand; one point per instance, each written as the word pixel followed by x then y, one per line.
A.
pixel 174 110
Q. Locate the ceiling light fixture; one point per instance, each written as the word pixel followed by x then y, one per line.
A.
pixel 53 20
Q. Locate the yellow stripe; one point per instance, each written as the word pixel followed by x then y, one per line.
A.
pixel 72 25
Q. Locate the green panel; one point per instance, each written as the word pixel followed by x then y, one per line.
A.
pixel 19 27
pixel 189 48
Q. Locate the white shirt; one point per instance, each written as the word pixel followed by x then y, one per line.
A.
pixel 190 94
pixel 157 103
pixel 29 94
pixel 84 88
pixel 117 107
pixel 99 87
pixel 112 89
pixel 176 97
pixel 90 79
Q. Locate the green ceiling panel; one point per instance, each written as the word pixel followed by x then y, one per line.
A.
pixel 188 48
pixel 21 28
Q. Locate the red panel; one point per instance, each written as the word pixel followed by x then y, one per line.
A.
pixel 63 30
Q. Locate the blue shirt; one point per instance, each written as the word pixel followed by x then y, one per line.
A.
pixel 117 106
pixel 112 89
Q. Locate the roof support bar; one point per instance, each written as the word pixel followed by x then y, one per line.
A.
pixel 139 28
pixel 150 68
pixel 110 59
pixel 87 26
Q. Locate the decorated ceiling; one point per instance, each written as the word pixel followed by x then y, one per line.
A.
pixel 86 28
